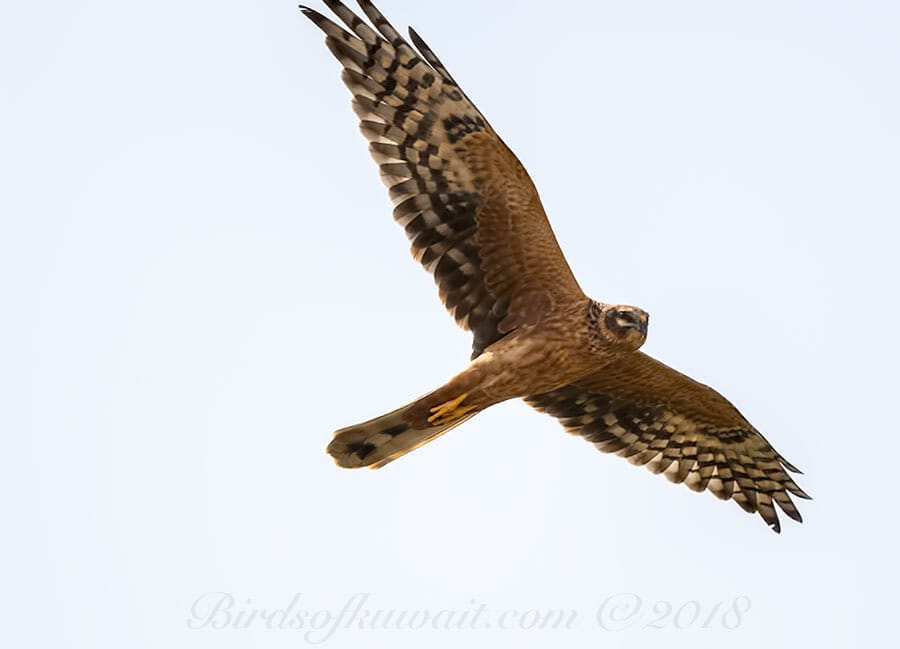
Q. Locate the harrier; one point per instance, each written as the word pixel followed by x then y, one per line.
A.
pixel 477 225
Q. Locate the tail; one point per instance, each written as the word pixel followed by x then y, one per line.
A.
pixel 378 441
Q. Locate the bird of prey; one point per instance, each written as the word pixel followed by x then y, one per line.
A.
pixel 477 225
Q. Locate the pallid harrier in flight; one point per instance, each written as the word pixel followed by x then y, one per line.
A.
pixel 476 223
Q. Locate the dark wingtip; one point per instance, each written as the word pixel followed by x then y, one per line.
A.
pixel 312 14
pixel 793 513
pixel 790 467
pixel 335 5
pixel 421 45
pixel 318 19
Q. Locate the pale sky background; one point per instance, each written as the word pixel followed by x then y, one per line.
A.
pixel 201 281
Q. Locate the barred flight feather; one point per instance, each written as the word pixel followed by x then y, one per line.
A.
pixel 673 425
pixel 420 127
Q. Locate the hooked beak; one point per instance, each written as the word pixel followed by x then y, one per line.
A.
pixel 643 323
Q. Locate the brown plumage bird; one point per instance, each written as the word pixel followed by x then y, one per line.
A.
pixel 476 223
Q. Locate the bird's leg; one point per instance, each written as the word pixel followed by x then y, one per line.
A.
pixel 449 410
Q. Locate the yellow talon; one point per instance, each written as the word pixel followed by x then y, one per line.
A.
pixel 449 410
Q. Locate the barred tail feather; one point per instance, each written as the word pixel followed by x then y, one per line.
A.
pixel 378 441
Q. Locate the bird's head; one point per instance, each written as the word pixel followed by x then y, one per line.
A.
pixel 620 326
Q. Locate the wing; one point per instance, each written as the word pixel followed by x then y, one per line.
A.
pixel 468 206
pixel 647 412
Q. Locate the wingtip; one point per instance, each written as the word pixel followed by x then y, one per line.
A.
pixel 787 465
pixel 312 14
pixel 419 42
pixel 335 5
pixel 317 18
pixel 797 491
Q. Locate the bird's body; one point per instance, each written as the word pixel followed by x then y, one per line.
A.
pixel 476 223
